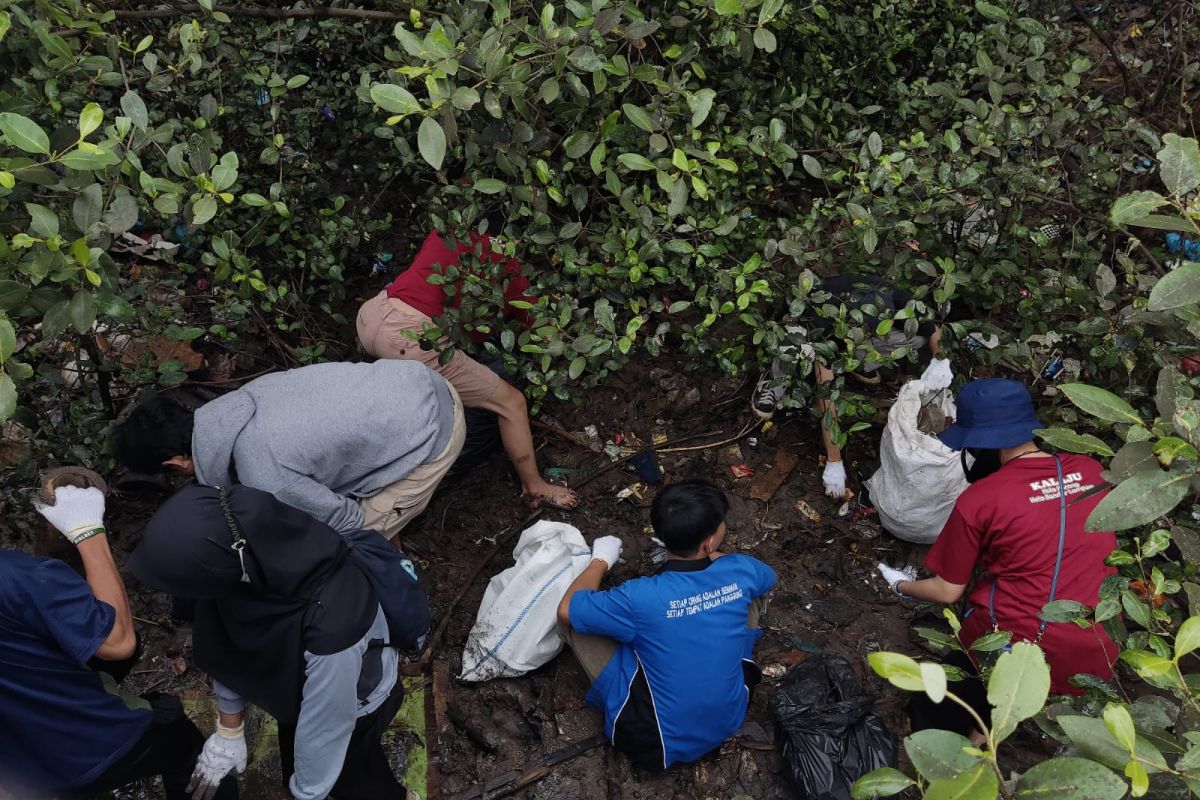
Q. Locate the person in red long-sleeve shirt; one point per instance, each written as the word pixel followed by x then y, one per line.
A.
pixel 391 323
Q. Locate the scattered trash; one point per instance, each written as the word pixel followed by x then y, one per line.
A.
pixel 1141 166
pixel 558 473
pixel 381 261
pixel 659 438
pixel 774 671
pixel 1182 245
pixel 768 425
pixel 740 470
pixel 327 113
pixel 647 467
pixel 612 450
pixel 152 247
pixel 811 648
pixel 178 665
pixel 977 341
pixel 1045 234
pixel 592 432
pixel 765 485
pixel 844 509
pixel 752 441
pixel 808 512
pixel 618 438
pixel 262 98
pixel 634 490
pixel 1190 364
pixel 914 245
pixel 1053 368
pixel 828 730
pixel 658 553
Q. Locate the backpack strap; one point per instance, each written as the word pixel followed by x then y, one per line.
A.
pixel 1062 538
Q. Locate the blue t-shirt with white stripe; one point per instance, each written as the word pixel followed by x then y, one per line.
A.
pixel 675 690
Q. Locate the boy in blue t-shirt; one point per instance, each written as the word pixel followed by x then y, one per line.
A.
pixel 670 656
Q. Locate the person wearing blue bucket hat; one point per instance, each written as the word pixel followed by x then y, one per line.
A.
pixel 1016 540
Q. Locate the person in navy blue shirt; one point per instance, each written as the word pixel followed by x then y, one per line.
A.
pixel 66 730
pixel 670 656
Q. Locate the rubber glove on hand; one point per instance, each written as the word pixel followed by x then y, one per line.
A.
pixel 893 576
pixel 224 752
pixel 607 549
pixel 834 478
pixel 937 375
pixel 76 512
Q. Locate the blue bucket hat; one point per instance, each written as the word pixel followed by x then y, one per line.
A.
pixel 993 413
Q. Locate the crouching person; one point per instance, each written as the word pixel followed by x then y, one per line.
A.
pixel 65 642
pixel 670 656
pixel 286 620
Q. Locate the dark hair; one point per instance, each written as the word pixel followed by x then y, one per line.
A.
pixel 158 429
pixel 684 514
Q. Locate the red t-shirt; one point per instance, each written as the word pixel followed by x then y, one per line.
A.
pixel 413 286
pixel 1006 526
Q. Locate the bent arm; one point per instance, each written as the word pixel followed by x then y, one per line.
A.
pixel 319 501
pixel 590 578
pixel 935 589
pixel 328 712
pixel 105 582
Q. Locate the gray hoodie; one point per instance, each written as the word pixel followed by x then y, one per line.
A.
pixel 320 437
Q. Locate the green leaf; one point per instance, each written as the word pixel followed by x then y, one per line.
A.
pixel 464 98
pixel 700 105
pixel 1129 208
pixel 897 669
pixel 1178 288
pixel 578 143
pixel 88 205
pixel 431 141
pixel 254 199
pixel 1018 687
pixel 882 782
pixel 43 222
pixel 992 12
pixel 8 397
pixel 1139 781
pixel 86 161
pixel 5 24
pixel 939 754
pixel 577 366
pixel 952 140
pixel 639 117
pixel 89 119
pixel 24 133
pixel 1139 500
pixel 8 340
pixel 12 294
pixel 394 99
pixel 1179 163
pixel 812 166
pixel 934 677
pixel 1069 779
pixel 1100 403
pixel 1187 638
pixel 122 213
pixel 490 186
pixel 635 161
pixel 727 8
pixel 296 81
pixel 764 40
pixel 204 209
pixel 82 311
pixel 979 783
pixel 1120 725
pixel 135 108
pixel 1072 442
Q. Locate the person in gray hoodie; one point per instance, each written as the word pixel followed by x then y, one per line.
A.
pixel 353 445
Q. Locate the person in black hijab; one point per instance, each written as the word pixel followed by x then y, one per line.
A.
pixel 286 620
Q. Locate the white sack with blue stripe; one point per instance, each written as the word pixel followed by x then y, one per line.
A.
pixel 515 630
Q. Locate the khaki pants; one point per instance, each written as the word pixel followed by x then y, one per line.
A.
pixel 594 652
pixel 398 504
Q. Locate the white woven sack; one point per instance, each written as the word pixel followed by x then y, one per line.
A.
pixel 919 478
pixel 515 630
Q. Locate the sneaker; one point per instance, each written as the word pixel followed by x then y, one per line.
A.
pixel 767 396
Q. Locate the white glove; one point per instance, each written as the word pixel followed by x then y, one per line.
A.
pixel 893 576
pixel 937 375
pixel 224 752
pixel 607 549
pixel 834 478
pixel 77 513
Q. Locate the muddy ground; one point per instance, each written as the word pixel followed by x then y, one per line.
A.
pixel 827 599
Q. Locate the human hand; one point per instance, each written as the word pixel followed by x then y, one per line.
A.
pixel 893 576
pixel 224 752
pixel 834 478
pixel 937 375
pixel 607 549
pixel 76 512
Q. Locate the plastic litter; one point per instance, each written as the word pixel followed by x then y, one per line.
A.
pixel 381 261
pixel 647 467
pixel 827 729
pixel 262 98
pixel 807 511
pixel 740 470
pixel 1053 368
pixel 327 113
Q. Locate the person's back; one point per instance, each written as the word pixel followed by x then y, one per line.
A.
pixel 319 435
pixel 62 725
pixel 688 652
pixel 670 655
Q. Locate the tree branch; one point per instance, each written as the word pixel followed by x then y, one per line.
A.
pixel 320 12
pixel 1104 40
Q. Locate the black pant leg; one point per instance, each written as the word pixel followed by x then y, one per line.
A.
pixel 168 748
pixel 366 774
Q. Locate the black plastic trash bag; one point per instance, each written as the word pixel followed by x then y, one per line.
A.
pixel 827 729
